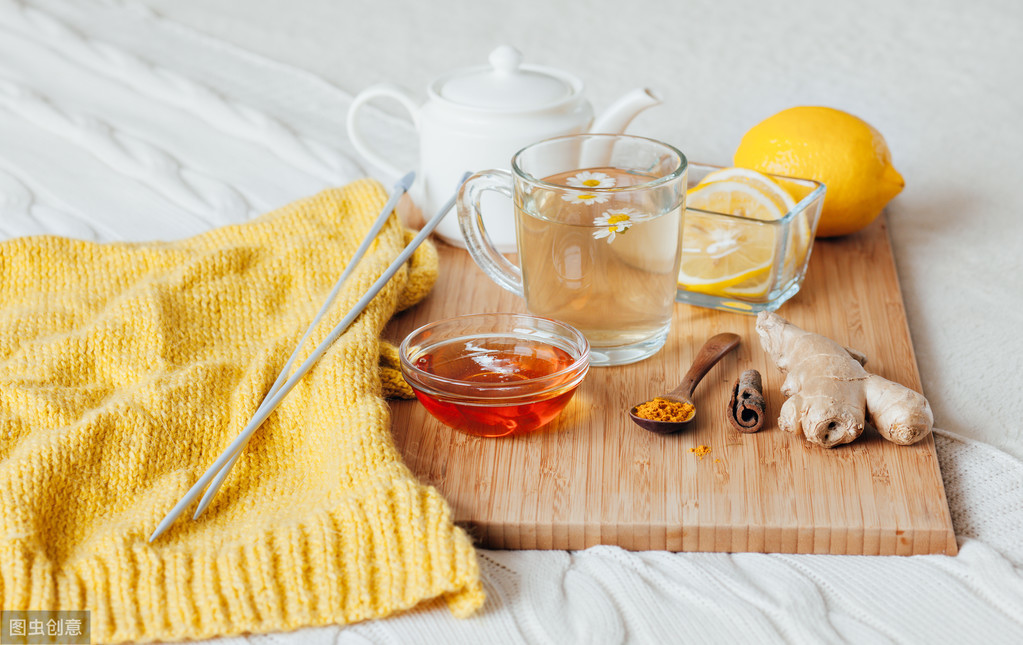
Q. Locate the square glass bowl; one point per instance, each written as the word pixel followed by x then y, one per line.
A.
pixel 740 264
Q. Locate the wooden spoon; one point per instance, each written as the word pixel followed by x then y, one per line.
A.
pixel 712 351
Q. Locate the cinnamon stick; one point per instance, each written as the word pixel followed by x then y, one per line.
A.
pixel 746 407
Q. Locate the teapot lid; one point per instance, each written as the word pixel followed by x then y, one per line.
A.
pixel 505 85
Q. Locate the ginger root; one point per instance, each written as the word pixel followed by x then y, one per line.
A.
pixel 830 394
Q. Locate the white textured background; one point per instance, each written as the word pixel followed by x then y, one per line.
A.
pixel 117 123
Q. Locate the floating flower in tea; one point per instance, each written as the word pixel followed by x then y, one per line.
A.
pixel 616 221
pixel 587 179
pixel 584 198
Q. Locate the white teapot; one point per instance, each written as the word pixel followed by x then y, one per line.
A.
pixel 477 118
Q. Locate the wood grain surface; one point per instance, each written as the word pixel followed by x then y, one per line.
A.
pixel 592 477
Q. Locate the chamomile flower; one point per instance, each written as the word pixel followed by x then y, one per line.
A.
pixel 585 198
pixel 587 179
pixel 616 221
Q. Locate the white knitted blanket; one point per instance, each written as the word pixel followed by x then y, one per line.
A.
pixel 118 124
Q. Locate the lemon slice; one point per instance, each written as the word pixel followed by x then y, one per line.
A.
pixel 755 196
pixel 755 286
pixel 734 197
pixel 728 255
pixel 783 192
pixel 758 180
pixel 722 254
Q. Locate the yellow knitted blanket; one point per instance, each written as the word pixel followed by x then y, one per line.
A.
pixel 126 369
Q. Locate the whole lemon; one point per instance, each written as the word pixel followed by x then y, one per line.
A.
pixel 842 151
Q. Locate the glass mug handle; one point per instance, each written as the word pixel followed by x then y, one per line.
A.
pixel 470 220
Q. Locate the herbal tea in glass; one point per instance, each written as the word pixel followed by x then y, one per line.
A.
pixel 598 244
pixel 606 267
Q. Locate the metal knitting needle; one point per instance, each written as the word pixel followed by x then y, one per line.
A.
pixel 271 405
pixel 400 188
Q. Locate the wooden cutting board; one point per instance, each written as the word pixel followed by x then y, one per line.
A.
pixel 592 477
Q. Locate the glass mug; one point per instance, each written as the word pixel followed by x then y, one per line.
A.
pixel 598 223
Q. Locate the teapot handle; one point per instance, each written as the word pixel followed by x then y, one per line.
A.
pixel 388 90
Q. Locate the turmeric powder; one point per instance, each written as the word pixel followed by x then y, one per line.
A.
pixel 701 451
pixel 661 409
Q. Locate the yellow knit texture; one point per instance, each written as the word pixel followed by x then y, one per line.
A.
pixel 126 369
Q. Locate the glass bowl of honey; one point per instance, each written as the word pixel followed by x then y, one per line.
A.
pixel 495 374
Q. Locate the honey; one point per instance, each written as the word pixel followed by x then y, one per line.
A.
pixel 497 386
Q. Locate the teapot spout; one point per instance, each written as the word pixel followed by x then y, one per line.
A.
pixel 619 114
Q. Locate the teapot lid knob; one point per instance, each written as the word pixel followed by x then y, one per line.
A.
pixel 505 59
pixel 506 84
